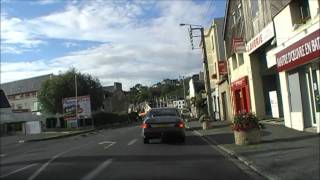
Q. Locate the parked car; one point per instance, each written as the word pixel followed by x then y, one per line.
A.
pixel 163 123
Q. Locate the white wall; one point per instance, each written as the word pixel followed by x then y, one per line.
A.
pixel 287 35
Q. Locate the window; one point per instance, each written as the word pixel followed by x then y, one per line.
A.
pixel 239 10
pixel 304 9
pixel 240 59
pixel 254 8
pixel 234 62
pixel 300 11
pixel 212 42
pixel 234 18
pixel 35 106
pixel 18 97
pixel 19 106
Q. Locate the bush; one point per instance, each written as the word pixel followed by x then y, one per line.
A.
pixel 103 118
pixel 245 121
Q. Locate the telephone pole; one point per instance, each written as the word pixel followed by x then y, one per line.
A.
pixel 205 64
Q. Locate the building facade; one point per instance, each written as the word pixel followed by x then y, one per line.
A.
pixel 115 99
pixel 22 94
pixel 249 38
pixel 297 59
pixel 179 104
pixel 218 70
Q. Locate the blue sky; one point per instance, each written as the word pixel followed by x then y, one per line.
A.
pixel 128 41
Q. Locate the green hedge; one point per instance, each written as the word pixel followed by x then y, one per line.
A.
pixel 103 118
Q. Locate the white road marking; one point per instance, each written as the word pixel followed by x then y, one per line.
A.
pixel 35 174
pixel 21 141
pixel 97 170
pixel 105 142
pixel 18 170
pixel 132 141
pixel 197 133
pixel 111 144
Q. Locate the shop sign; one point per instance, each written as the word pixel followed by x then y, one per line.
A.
pixel 83 107
pixel 222 66
pixel 238 45
pixel 300 52
pixel 239 83
pixel 266 34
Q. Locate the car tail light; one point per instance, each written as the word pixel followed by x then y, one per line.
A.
pixel 180 125
pixel 145 126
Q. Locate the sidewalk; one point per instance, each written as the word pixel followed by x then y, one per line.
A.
pixel 283 153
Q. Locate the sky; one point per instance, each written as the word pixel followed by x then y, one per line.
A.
pixel 136 41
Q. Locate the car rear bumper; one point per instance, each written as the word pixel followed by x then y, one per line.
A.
pixel 163 132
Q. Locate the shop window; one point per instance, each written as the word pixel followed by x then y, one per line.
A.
pixel 300 11
pixel 234 62
pixel 240 59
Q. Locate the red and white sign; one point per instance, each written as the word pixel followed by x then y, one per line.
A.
pixel 266 34
pixel 238 45
pixel 83 107
pixel 222 66
pixel 300 52
pixel 239 83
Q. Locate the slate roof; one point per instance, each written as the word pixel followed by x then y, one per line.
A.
pixel 4 103
pixel 25 85
pixel 109 89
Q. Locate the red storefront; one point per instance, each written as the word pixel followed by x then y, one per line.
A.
pixel 241 95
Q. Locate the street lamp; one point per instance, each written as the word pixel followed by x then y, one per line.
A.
pixel 205 63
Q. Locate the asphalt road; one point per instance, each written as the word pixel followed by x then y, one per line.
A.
pixel 119 154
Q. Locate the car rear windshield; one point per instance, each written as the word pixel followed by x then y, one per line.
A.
pixel 163 112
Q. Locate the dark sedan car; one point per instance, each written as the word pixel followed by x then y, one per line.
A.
pixel 163 123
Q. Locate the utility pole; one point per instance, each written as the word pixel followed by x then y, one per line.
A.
pixel 205 64
pixel 76 93
pixel 184 90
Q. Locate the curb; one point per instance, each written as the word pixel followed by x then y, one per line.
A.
pixel 60 136
pixel 235 155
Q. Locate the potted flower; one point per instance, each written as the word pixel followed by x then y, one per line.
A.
pixel 246 129
pixel 204 120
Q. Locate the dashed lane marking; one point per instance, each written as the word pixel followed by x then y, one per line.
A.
pixel 97 170
pixel 35 174
pixel 105 142
pixel 111 144
pixel 18 170
pixel 132 141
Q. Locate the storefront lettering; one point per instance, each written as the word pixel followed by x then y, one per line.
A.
pixel 298 51
pixel 266 34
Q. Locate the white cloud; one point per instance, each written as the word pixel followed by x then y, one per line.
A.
pixel 45 2
pixel 136 48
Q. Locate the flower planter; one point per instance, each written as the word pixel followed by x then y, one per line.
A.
pixel 251 136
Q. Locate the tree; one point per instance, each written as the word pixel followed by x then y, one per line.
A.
pixel 62 86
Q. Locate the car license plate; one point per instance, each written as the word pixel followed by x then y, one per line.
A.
pixel 161 125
